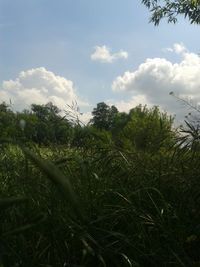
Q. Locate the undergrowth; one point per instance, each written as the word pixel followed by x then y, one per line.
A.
pixel 99 207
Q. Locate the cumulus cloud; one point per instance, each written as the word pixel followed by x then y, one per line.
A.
pixel 178 48
pixel 125 106
pixel 104 55
pixel 157 77
pixel 39 86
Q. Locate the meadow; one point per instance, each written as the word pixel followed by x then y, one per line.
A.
pixel 102 201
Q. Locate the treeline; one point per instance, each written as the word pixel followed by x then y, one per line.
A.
pixel 142 128
pixel 42 124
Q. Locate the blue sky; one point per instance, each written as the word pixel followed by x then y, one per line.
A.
pixel 52 42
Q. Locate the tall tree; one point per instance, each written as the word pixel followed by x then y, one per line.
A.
pixel 170 9
pixel 104 116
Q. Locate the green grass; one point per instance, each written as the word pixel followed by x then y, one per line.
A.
pixel 65 207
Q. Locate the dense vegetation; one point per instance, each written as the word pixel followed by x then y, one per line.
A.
pixel 120 191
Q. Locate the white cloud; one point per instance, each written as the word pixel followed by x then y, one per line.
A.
pixel 125 106
pixel 85 117
pixel 157 77
pixel 103 54
pixel 178 48
pixel 39 86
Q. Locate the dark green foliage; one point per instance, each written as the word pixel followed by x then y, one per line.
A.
pixel 104 116
pixel 117 197
pixel 170 9
pixel 50 127
pixel 7 121
pixel 43 124
pixel 142 128
pixel 148 129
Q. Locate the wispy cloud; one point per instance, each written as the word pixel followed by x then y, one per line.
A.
pixel 178 48
pixel 104 55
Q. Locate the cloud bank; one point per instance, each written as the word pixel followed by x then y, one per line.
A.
pixel 157 77
pixel 39 86
pixel 104 55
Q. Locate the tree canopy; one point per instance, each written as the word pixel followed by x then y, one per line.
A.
pixel 103 116
pixel 170 9
pixel 140 129
pixel 148 129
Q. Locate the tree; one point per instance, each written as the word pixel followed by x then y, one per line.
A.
pixel 170 9
pixel 148 129
pixel 45 112
pixel 50 126
pixel 4 107
pixel 7 121
pixel 103 116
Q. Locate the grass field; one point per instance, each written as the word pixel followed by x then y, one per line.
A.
pixel 99 207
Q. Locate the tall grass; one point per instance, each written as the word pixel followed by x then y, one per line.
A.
pixel 105 207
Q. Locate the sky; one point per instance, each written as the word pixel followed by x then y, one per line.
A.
pixel 89 51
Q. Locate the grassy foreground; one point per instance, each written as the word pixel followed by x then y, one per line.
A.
pixel 99 207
